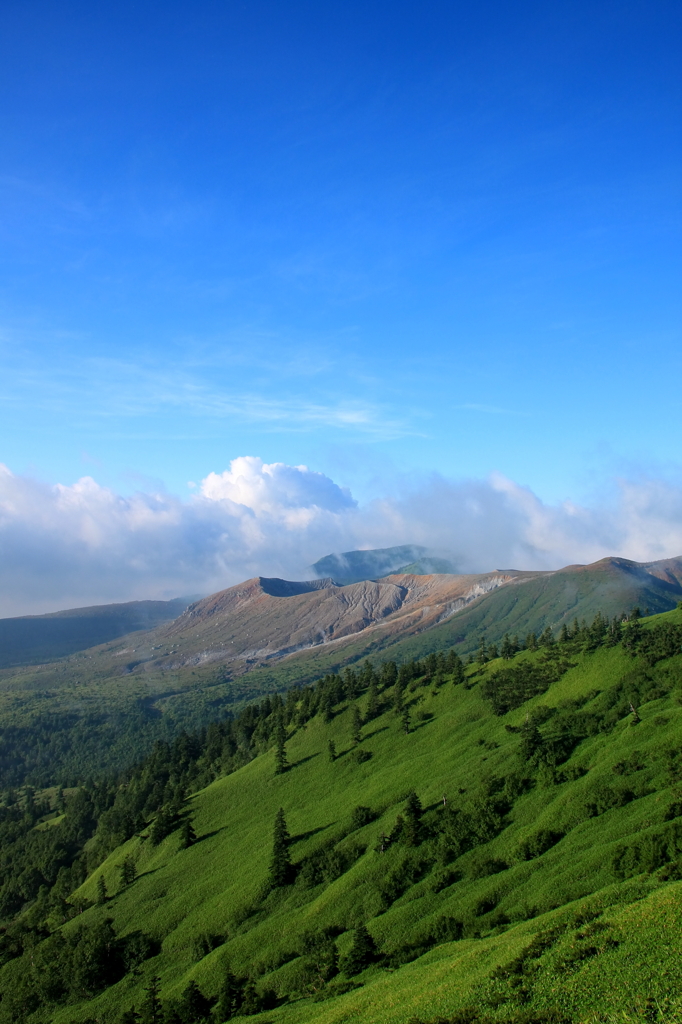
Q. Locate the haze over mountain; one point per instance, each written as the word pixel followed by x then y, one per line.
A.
pixel 31 639
pixel 354 566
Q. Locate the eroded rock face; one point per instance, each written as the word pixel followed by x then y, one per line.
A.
pixel 263 619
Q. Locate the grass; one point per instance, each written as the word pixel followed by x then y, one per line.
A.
pixel 613 944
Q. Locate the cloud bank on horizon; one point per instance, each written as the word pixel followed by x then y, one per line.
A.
pixel 65 546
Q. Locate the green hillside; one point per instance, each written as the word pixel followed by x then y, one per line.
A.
pixel 533 875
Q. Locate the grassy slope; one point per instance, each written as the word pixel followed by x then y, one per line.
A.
pixel 209 888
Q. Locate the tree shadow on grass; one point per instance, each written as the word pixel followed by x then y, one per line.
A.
pixel 382 728
pixel 307 835
pixel 295 764
pixel 420 725
pixel 208 835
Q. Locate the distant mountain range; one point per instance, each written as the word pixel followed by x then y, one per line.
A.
pixel 32 639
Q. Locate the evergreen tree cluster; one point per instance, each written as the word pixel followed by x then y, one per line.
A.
pixel 238 997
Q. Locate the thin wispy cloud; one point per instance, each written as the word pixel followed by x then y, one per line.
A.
pixel 101 389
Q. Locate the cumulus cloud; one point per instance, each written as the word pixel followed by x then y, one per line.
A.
pixel 64 546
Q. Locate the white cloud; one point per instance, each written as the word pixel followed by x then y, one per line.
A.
pixel 63 546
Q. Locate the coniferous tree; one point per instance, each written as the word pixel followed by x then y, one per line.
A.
pixel 127 871
pixel 531 642
pixel 547 638
pixel 372 700
pixel 355 723
pixel 507 650
pixel 164 824
pixel 388 675
pixel 327 706
pixel 151 1011
pixel 130 1016
pixel 230 999
pixel 280 865
pixel 102 894
pixel 412 826
pixel 456 667
pixel 564 635
pixel 531 741
pixel 350 683
pixel 482 652
pixel 188 836
pixel 251 1001
pixel 405 720
pixel 194 1007
pixel 281 763
pixel 332 750
pixel 398 692
pixel 361 953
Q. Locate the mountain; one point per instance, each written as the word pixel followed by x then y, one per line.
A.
pixel 610 586
pixel 496 844
pixel 32 639
pixel 102 707
pixel 356 566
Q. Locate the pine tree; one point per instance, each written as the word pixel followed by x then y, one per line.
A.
pixel 482 652
pixel 531 740
pixel 372 700
pixel 130 1016
pixel 230 999
pixel 531 642
pixel 102 894
pixel 350 683
pixel 564 635
pixel 547 638
pixel 127 871
pixel 251 1001
pixel 194 1006
pixel 280 864
pixel 413 813
pixel 164 823
pixel 188 836
pixel 398 693
pixel 327 706
pixel 355 723
pixel 456 667
pixel 405 720
pixel 281 763
pixel 361 953
pixel 389 674
pixel 507 650
pixel 332 751
pixel 151 1011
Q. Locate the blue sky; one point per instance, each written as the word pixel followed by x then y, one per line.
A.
pixel 384 240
